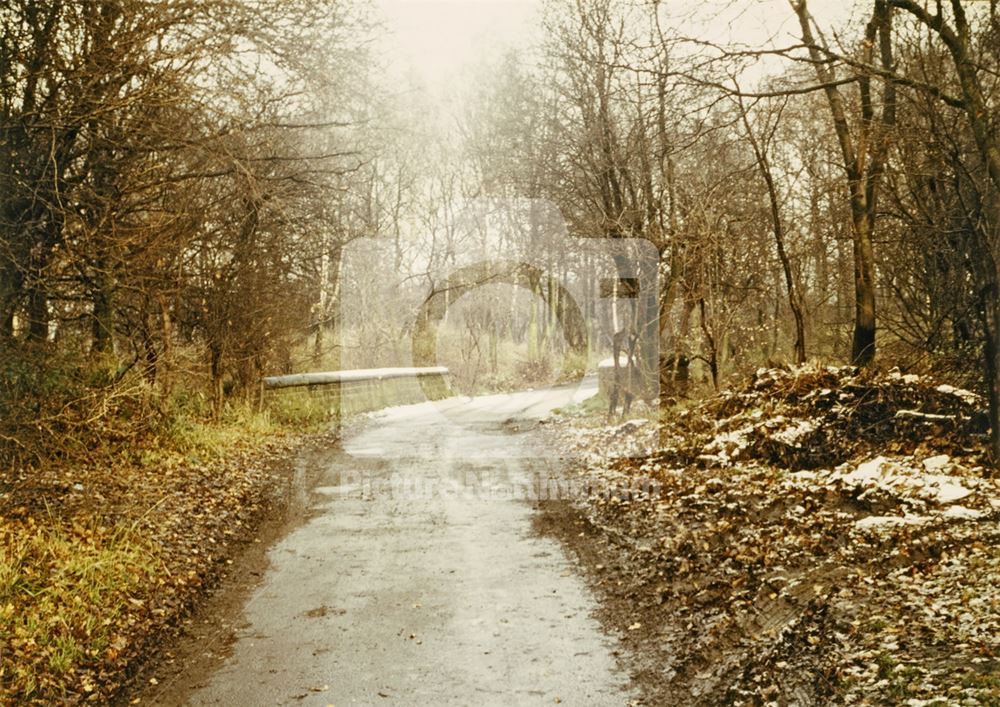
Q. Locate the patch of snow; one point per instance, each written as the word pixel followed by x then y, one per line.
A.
pixel 898 479
pixel 728 445
pixel 909 378
pixel 791 435
pixel 878 521
pixel 964 395
pixel 944 489
pixel 961 513
pixel 935 463
pixel 868 471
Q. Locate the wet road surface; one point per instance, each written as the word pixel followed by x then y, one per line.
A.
pixel 418 580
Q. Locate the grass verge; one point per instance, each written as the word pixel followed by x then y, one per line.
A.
pixel 69 593
pixel 97 558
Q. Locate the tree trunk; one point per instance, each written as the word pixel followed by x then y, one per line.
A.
pixel 102 317
pixel 673 376
pixel 322 305
pixel 534 324
pixel 991 354
pixel 167 334
pixel 7 324
pixel 38 313
pixel 10 286
pixel 863 346
pixel 150 354
pixel 218 393
pixel 648 326
pixel 863 160
pixel 794 295
pixel 713 353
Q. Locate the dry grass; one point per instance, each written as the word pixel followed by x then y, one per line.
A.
pixel 94 557
pixel 68 595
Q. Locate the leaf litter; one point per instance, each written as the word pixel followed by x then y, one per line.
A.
pixel 818 535
pixel 98 564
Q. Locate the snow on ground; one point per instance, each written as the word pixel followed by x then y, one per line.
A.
pixel 820 547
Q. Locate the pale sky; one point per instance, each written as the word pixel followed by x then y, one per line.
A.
pixel 438 39
pixel 435 41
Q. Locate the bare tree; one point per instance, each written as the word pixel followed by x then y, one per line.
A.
pixel 972 59
pixel 863 151
pixel 760 151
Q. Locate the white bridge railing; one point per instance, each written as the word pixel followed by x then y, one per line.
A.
pixel 296 380
pixel 359 390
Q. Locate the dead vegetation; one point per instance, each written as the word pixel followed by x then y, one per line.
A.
pixel 815 536
pixel 806 418
pixel 99 561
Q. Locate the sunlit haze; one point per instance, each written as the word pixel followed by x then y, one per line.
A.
pixel 433 45
pixel 434 40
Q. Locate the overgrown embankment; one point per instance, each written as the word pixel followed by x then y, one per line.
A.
pixel 815 536
pixel 103 552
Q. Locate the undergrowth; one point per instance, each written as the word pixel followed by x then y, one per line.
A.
pixel 67 593
pixel 78 583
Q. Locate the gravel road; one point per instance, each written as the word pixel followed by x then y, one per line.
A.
pixel 417 579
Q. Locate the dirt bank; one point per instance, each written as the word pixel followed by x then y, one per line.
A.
pixel 814 537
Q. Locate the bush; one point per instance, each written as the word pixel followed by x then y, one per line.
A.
pixel 300 410
pixel 54 407
pixel 534 371
pixel 574 367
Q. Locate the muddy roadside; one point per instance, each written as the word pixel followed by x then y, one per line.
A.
pixel 745 563
pixel 198 641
